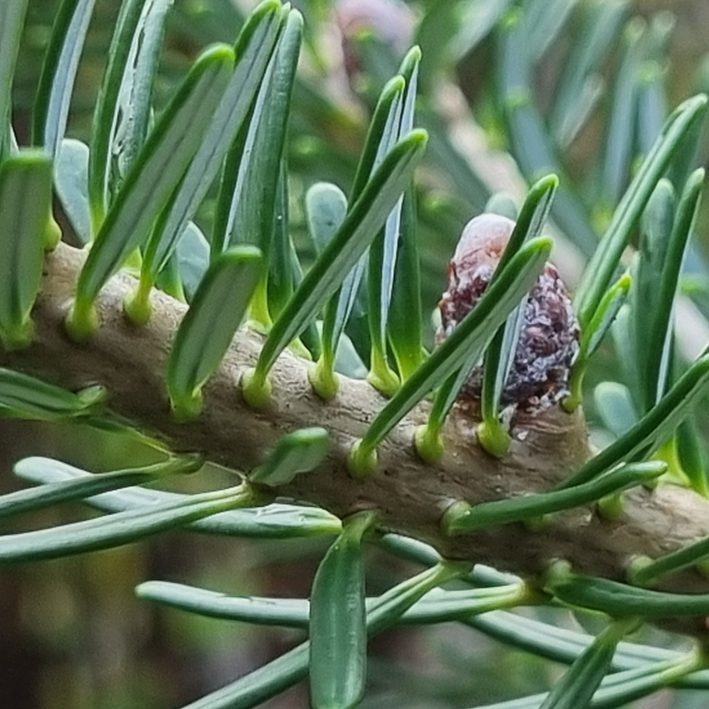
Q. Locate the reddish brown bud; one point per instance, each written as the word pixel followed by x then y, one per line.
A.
pixel 549 339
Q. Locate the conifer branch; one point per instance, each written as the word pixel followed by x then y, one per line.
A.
pixel 410 495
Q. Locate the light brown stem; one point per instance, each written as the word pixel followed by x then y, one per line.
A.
pixel 410 494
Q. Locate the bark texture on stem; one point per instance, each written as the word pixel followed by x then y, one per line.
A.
pixel 410 494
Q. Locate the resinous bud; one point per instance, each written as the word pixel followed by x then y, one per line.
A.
pixel 549 339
